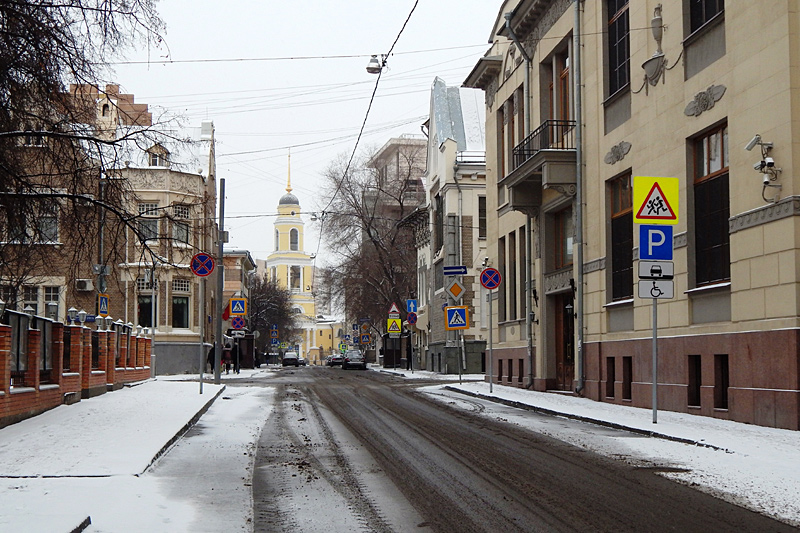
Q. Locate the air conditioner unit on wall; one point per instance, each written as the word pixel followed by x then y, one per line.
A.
pixel 84 285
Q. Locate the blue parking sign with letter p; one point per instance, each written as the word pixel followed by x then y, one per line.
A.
pixel 655 242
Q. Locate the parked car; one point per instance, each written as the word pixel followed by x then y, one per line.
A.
pixel 335 359
pixel 290 359
pixel 354 359
pixel 303 361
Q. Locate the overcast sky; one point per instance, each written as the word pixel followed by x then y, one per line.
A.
pixel 228 68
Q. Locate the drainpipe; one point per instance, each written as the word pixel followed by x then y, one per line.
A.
pixel 579 182
pixel 526 83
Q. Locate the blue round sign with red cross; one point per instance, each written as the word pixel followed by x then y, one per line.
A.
pixel 237 322
pixel 202 264
pixel 491 278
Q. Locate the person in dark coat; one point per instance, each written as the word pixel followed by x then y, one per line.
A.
pixel 226 356
pixel 235 357
pixel 211 356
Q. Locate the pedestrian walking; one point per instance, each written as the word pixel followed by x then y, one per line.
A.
pixel 211 356
pixel 235 357
pixel 226 354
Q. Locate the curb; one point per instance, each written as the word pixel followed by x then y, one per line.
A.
pixel 181 432
pixel 598 422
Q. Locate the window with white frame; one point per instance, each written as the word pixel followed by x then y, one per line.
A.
pixel 180 226
pixel 181 285
pixel 148 221
pixel 51 294
pixel 143 284
pixel 30 299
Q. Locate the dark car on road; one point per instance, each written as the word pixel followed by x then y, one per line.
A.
pixel 335 359
pixel 354 359
pixel 290 359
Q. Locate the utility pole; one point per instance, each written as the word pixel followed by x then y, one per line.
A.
pixel 221 238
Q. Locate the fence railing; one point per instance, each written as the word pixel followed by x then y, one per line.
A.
pixel 551 135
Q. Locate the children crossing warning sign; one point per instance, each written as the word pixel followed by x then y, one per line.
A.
pixel 456 317
pixel 393 325
pixel 655 200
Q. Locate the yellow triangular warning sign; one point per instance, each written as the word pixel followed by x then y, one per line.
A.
pixel 656 206
pixel 394 325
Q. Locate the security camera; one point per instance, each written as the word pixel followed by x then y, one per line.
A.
pixel 767 179
pixel 769 162
pixel 759 165
pixel 753 142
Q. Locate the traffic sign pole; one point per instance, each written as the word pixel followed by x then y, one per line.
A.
pixel 655 360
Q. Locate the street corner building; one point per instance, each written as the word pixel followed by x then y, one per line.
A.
pixel 581 99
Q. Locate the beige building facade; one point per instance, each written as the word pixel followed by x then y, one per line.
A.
pixel 582 97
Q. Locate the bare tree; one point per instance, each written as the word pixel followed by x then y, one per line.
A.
pixel 58 151
pixel 270 305
pixel 374 261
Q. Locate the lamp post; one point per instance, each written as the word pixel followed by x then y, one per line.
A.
pixel 72 315
pixel 82 316
pixel 2 307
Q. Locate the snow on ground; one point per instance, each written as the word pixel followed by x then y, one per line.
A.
pixel 91 459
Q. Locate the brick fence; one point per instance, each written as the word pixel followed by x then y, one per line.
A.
pixel 43 369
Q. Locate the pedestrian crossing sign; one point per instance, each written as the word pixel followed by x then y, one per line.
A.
pixel 238 306
pixel 655 200
pixel 456 317
pixel 102 304
pixel 393 325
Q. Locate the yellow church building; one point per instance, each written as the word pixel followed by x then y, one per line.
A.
pixel 293 269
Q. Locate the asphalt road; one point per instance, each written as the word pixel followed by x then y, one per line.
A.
pixel 364 451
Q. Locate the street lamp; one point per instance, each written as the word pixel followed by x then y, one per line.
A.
pixel 375 66
pixel 82 316
pixel 72 314
pixel 52 310
pixel 2 307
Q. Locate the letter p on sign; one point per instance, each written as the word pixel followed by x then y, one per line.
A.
pixel 655 242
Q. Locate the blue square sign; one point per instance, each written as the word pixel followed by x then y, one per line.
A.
pixel 655 242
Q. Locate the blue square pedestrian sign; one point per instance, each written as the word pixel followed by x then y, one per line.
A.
pixel 456 317
pixel 655 243
pixel 238 306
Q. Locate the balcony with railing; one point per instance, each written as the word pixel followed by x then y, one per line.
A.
pixel 551 135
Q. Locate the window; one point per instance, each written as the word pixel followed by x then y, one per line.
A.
pixel 512 278
pixel 181 285
pixel 294 277
pixel 627 377
pixel 701 11
pixel 180 312
pixel 721 381
pixel 501 267
pixel 481 217
pixel 30 302
pixel 438 222
pixel 695 380
pixel 51 296
pixel 145 310
pixel 180 227
pixel 294 239
pixel 610 376
pixel 565 231
pixel 621 238
pixel 274 274
pixel 47 223
pixel 158 159
pixel 143 283
pixel 148 223
pixel 618 45
pixel 501 143
pixel 277 241
pixel 711 208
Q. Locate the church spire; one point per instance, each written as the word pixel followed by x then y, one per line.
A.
pixel 289 173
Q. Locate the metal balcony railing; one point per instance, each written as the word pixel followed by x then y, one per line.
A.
pixel 551 135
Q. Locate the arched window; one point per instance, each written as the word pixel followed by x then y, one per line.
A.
pixel 294 240
pixel 106 109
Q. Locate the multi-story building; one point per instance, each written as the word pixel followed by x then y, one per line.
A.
pixel 582 97
pixel 450 229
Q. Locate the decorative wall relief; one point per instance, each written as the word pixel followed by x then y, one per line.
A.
pixel 617 153
pixel 703 101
